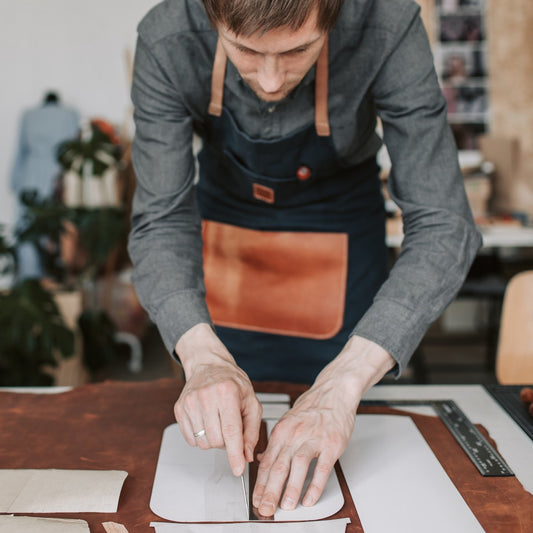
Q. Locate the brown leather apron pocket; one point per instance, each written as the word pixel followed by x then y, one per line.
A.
pixel 286 283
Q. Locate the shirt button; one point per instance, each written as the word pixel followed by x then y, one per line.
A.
pixel 272 108
pixel 303 173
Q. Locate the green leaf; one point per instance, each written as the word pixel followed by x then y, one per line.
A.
pixel 98 332
pixel 33 333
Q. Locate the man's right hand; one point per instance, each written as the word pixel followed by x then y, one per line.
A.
pixel 217 399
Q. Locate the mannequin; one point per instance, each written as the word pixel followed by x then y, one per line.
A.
pixel 42 129
pixel 51 97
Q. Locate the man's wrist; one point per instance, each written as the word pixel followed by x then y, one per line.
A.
pixel 370 362
pixel 200 345
pixel 360 364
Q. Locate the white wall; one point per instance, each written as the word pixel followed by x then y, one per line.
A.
pixel 76 47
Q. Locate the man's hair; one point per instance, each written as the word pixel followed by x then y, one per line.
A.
pixel 246 17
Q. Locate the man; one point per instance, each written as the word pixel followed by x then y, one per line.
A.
pixel 285 97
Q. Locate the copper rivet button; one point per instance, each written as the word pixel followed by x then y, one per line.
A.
pixel 303 173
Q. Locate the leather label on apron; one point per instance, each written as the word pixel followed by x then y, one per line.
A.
pixel 265 194
pixel 285 283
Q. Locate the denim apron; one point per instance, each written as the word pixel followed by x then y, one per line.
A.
pixel 291 184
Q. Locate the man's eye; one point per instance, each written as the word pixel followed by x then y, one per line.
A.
pixel 295 52
pixel 247 51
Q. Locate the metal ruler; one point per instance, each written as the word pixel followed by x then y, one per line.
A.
pixel 484 457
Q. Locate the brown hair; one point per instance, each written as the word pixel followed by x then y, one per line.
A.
pixel 246 17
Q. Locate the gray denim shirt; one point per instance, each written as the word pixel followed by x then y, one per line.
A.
pixel 380 65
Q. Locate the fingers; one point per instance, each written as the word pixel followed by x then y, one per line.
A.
pixel 213 432
pixel 251 420
pixel 199 426
pixel 323 469
pixel 290 469
pixel 230 415
pixel 295 483
pixel 232 433
pixel 186 429
pixel 266 500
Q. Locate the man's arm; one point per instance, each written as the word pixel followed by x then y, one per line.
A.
pixel 318 426
pixel 441 240
pixel 166 249
pixel 165 242
pixel 440 243
pixel 218 398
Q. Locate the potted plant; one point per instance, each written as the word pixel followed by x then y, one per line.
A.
pixel 34 335
pixel 90 165
pixel 79 231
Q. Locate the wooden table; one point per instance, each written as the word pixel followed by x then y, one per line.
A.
pixel 118 425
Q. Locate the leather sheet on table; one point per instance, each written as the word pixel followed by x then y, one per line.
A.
pixel 119 426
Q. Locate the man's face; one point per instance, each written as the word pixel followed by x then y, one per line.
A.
pixel 274 63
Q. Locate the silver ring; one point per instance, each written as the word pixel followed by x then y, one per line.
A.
pixel 201 433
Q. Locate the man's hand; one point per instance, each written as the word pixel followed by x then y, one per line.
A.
pixel 218 400
pixel 318 426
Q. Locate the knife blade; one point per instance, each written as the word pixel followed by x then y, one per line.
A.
pixel 245 494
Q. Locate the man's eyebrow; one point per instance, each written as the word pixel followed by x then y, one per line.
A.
pixel 302 46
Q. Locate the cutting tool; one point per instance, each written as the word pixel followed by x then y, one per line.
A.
pixel 245 495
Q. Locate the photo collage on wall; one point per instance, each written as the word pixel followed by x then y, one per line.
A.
pixel 461 63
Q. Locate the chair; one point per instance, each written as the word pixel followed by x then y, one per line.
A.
pixel 514 360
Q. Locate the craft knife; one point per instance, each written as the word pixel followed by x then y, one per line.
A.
pixel 245 494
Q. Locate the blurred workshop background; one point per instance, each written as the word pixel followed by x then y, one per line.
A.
pixel 68 312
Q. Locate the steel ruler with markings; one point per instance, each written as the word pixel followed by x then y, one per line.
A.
pixel 482 454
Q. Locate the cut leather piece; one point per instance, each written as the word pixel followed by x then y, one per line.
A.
pixel 285 283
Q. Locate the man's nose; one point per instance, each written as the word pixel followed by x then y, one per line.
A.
pixel 270 75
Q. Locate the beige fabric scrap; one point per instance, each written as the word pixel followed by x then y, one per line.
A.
pixel 114 527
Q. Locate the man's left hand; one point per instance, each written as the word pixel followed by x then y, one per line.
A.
pixel 319 427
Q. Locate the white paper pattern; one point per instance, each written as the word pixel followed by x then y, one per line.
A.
pixel 397 483
pixel 25 524
pixel 324 526
pixel 60 491
pixel 194 485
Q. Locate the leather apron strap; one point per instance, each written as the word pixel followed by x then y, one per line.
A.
pixel 217 81
pixel 321 88
pixel 321 93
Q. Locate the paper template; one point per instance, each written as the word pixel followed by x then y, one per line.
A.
pixel 274 405
pixel 194 485
pixel 273 397
pixel 23 524
pixel 274 411
pixel 397 483
pixel 324 526
pixel 60 491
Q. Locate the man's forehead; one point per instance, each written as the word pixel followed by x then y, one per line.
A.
pixel 278 40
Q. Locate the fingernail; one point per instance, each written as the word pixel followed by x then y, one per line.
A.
pixel 238 471
pixel 287 504
pixel 307 501
pixel 267 509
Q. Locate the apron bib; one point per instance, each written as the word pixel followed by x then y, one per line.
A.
pixel 294 242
